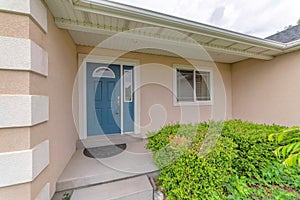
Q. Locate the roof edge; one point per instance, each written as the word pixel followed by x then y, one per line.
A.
pixel 115 9
pixel 152 16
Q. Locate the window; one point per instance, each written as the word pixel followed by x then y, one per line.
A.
pixel 203 86
pixel 193 86
pixel 127 85
pixel 185 85
pixel 103 72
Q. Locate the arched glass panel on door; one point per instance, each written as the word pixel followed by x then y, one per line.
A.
pixel 103 72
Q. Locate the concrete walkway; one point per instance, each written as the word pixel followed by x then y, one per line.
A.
pixel 83 171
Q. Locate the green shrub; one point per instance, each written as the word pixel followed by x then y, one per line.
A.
pixel 289 150
pixel 66 196
pixel 194 177
pixel 254 149
pixel 199 161
pixel 172 141
pixel 276 182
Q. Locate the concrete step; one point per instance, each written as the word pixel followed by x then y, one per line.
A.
pixel 137 188
pixel 105 140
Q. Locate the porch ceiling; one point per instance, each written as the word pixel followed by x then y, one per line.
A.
pixel 92 21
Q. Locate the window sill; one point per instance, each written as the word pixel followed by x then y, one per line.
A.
pixel 198 103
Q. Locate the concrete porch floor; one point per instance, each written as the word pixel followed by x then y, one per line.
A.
pixel 82 171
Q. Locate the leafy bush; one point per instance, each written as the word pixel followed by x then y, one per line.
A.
pixel 66 196
pixel 277 182
pixel 200 161
pixel 182 179
pixel 289 150
pixel 254 149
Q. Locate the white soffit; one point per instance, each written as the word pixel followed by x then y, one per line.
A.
pixel 105 18
pixel 93 40
pixel 87 39
pixel 23 166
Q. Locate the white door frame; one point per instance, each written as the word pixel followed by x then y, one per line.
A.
pixel 82 60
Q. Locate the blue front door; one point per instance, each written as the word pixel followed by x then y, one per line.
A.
pixel 103 99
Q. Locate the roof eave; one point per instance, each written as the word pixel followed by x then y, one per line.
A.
pixel 292 46
pixel 138 14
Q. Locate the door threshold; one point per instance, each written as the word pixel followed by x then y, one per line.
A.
pixel 109 139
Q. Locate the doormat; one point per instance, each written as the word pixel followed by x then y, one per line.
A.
pixel 105 151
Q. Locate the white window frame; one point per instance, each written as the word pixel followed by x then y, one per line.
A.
pixel 195 102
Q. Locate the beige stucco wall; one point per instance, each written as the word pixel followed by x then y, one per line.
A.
pixel 156 89
pixel 14 25
pixel 267 91
pixel 60 128
pixel 20 191
pixel 14 82
pixel 58 85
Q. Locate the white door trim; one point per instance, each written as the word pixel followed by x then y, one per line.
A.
pixel 82 60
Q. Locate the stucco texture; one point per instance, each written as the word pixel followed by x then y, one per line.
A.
pixel 60 128
pixel 58 85
pixel 14 82
pixel 267 91
pixel 13 25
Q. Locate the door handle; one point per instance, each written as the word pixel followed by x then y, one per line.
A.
pixel 117 112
